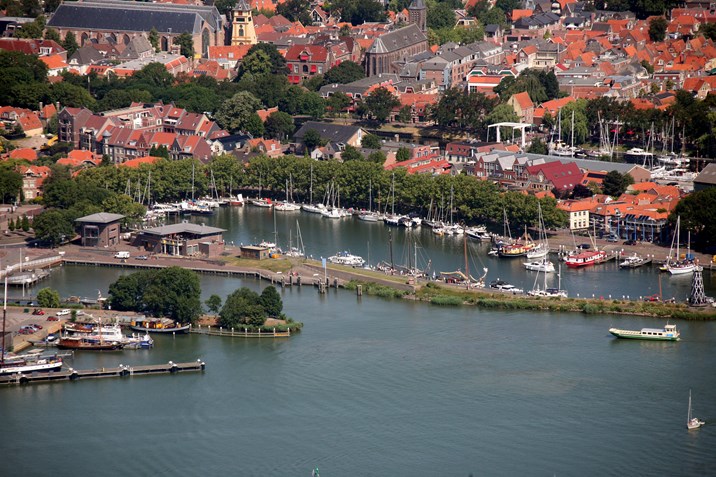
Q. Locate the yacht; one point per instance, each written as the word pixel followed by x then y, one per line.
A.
pixel 346 258
pixel 637 155
pixel 543 265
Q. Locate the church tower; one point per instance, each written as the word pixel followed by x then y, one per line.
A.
pixel 419 14
pixel 242 25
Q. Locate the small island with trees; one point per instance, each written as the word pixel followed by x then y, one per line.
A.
pixel 175 293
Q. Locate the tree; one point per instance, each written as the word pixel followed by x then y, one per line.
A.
pixel 697 211
pixel 337 102
pixel 657 29
pixel 153 75
pixel 343 73
pixel 70 44
pixel 403 154
pixel 53 227
pixel 242 307
pixel 48 298
pixel 312 139
pixel 648 67
pixel 69 94
pixel 25 224
pixel 213 304
pixel 32 29
pixel 441 16
pixel 503 113
pixel 256 63
pixel 159 151
pixel 359 11
pixel 295 11
pixel 173 292
pixel 377 156
pixel 124 205
pixel 708 30
pixel 279 125
pixel 52 34
pixel 615 183
pixel 234 113
pixel 278 62
pixel 351 154
pixel 186 44
pixel 254 125
pixel 153 38
pixel 10 184
pixel 271 301
pixel 370 141
pixel 537 147
pixel 380 103
pixel 405 114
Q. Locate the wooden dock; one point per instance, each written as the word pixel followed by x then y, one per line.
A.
pixel 213 331
pixel 118 372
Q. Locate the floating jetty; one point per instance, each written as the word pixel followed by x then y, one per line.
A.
pixel 118 372
pixel 241 333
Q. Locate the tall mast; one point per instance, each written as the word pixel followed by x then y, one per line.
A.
pixel 390 242
pixel 467 265
pixel 4 313
pixel 192 180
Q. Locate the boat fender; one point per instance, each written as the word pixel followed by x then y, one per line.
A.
pixel 74 376
pixel 24 380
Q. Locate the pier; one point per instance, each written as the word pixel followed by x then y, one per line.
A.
pixel 213 331
pixel 118 372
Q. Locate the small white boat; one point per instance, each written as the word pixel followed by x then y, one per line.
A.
pixel 346 258
pixel 539 251
pixel 633 261
pixel 543 265
pixel 313 208
pixel 332 213
pixel 693 422
pixel 265 203
pixel 369 217
pixel 505 287
pixel 286 206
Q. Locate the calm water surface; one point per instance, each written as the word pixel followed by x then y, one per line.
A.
pixel 381 388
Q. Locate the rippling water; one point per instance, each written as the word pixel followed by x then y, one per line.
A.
pixel 378 387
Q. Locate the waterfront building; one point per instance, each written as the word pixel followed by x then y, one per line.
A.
pixel 184 239
pixel 99 230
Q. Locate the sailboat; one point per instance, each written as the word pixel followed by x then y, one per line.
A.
pixel 297 251
pixel 334 210
pixel 542 248
pixel 693 422
pixel 549 292
pixel 259 202
pixel 288 205
pixel 312 208
pixel 392 218
pixel 369 215
pixel 676 266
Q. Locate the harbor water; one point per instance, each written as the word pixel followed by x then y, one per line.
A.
pixel 379 387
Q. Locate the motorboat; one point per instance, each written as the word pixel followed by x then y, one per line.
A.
pixel 503 286
pixel 543 265
pixel 346 258
pixel 667 333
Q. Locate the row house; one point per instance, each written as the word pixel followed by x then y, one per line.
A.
pixel 559 176
pixel 307 61
pixel 33 47
pixel 29 121
pixel 32 179
pixel 506 169
pixel 457 152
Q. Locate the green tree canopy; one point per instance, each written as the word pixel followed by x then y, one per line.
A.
pixel 48 298
pixel 312 139
pixel 234 113
pixel 279 125
pixel 171 292
pixel 10 184
pixel 53 226
pixel 657 29
pixel 351 154
pixel 615 183
pixel 271 301
pixel 371 141
pixel 213 304
pixel 345 72
pixel 441 15
pixel 278 62
pixel 380 103
pixel 242 307
pixel 186 44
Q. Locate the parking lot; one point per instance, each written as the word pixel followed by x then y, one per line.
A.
pixel 19 318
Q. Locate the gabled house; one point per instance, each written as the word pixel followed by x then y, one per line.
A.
pixel 523 106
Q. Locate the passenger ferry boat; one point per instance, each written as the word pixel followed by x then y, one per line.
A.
pixel 518 249
pixel 586 259
pixel 346 258
pixel 667 333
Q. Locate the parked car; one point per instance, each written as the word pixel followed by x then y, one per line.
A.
pixel 630 242
pixel 63 312
pixel 36 326
pixel 26 331
pixel 141 257
pixel 38 311
pixel 52 318
pixel 612 238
